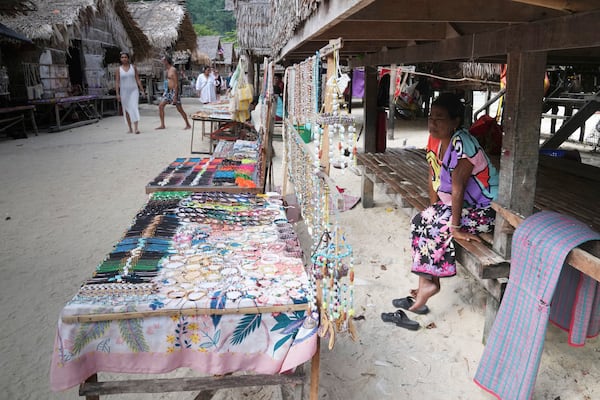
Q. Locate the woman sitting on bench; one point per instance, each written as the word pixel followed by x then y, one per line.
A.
pixel 463 183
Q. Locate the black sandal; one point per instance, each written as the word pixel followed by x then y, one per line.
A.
pixel 400 319
pixel 406 302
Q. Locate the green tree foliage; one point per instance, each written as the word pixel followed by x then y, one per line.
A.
pixel 211 15
pixel 230 37
pixel 203 30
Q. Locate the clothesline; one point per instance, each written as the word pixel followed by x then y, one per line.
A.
pixel 411 70
pixel 443 78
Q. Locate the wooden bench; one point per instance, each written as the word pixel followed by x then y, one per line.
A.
pixel 403 173
pixel 69 112
pixel 108 105
pixel 10 117
pixel 564 186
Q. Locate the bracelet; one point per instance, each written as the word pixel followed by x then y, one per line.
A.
pixel 455 226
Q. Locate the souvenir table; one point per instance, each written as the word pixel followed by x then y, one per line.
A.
pixel 210 281
pixel 235 167
pixel 217 115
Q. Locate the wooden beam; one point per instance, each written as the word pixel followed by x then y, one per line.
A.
pixel 356 46
pixel 568 32
pixel 327 15
pixel 457 11
pixel 83 318
pixel 330 47
pixel 381 30
pixel 563 5
pixel 91 388
pixel 579 258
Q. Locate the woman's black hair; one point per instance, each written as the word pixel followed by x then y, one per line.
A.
pixel 451 103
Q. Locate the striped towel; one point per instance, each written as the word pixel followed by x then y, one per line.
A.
pixel 540 245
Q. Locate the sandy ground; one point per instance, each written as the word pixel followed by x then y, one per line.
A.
pixel 67 197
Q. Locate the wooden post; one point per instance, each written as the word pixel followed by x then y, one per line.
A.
pixel 328 51
pixel 367 187
pixel 391 109
pixel 370 110
pixel 468 107
pixel 520 150
pixel 520 145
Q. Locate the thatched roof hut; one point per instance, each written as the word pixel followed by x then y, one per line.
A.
pixel 56 23
pixel 166 24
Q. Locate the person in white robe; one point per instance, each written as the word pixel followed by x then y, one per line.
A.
pixel 205 86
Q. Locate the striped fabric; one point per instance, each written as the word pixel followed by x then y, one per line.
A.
pixel 576 305
pixel 540 245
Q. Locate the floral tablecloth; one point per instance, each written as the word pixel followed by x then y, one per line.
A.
pixel 227 253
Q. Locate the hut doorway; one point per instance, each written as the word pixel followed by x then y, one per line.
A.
pixel 76 73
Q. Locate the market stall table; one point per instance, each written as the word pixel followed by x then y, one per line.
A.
pixel 69 112
pixel 235 167
pixel 219 119
pixel 210 281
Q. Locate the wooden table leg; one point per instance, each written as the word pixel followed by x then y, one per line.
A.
pixel 93 378
pixel 205 395
pixel 57 116
pixel 33 123
pixel 192 141
pixel 315 367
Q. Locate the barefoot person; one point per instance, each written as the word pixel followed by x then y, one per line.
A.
pixel 171 94
pixel 463 183
pixel 128 87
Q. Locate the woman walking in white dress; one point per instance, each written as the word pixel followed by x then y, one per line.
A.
pixel 128 87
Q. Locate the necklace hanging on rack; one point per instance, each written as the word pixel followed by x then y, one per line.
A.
pixel 341 128
pixel 333 263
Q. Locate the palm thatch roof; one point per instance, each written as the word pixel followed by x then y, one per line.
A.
pixel 12 7
pixel 200 58
pixel 7 35
pixel 58 22
pixel 264 27
pixel 166 23
pixel 139 41
pixel 211 45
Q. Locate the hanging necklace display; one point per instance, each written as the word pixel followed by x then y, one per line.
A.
pixel 333 264
pixel 332 271
pixel 341 128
